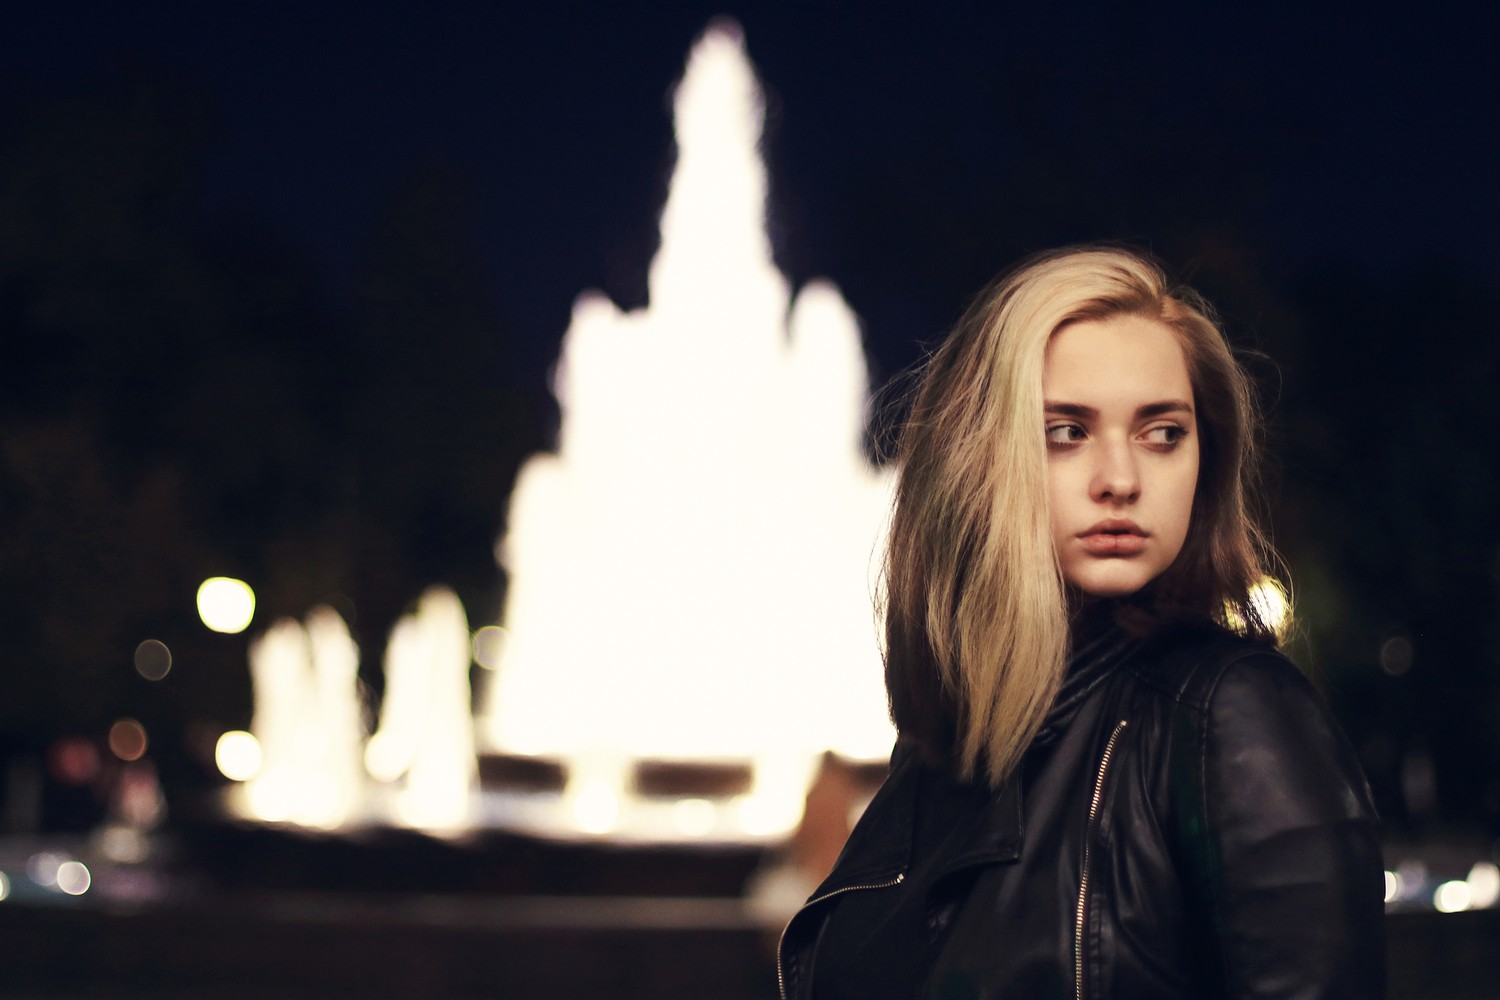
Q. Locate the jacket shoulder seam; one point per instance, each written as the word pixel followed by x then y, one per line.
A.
pixel 1194 684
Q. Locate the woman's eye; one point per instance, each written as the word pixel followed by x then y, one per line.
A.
pixel 1165 436
pixel 1063 434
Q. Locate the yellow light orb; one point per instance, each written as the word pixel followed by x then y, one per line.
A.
pixel 238 755
pixel 226 605
pixel 1271 602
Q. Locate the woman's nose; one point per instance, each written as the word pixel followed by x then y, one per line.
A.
pixel 1116 480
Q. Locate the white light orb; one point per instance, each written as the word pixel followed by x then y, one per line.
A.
pixel 237 755
pixel 73 878
pixel 226 605
pixel 1484 885
pixel 489 646
pixel 694 817
pixel 1453 897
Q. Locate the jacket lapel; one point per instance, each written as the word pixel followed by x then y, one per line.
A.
pixel 880 851
pixel 996 837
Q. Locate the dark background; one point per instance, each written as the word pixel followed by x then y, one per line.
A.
pixel 279 288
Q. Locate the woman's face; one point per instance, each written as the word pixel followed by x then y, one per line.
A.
pixel 1122 451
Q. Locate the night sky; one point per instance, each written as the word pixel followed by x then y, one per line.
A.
pixel 895 139
pixel 255 262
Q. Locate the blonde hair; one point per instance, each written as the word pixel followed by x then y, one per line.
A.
pixel 976 615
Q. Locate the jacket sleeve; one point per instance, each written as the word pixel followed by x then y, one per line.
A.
pixel 1286 863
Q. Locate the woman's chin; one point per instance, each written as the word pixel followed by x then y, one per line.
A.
pixel 1107 582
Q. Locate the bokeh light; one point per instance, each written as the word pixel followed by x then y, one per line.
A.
pixel 237 755
pixel 4 887
pixel 73 760
pixel 1396 655
pixel 226 605
pixel 489 646
pixel 153 659
pixel 1453 897
pixel 124 845
pixel 694 817
pixel 1269 598
pixel 73 878
pixel 760 814
pixel 596 810
pixel 1484 885
pixel 385 757
pixel 42 868
pixel 127 739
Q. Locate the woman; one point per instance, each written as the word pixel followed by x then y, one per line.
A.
pixel 1108 783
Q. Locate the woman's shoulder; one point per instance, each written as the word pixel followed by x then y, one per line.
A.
pixel 1260 731
pixel 1199 666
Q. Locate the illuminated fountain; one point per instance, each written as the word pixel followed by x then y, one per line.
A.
pixel 307 724
pixel 305 760
pixel 690 570
pixel 426 733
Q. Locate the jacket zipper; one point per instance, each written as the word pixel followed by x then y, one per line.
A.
pixel 1083 881
pixel 780 975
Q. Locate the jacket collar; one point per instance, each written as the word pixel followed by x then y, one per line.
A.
pixel 1099 652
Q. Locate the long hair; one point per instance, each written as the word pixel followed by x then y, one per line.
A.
pixel 976 614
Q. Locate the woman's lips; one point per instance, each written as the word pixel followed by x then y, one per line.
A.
pixel 1114 538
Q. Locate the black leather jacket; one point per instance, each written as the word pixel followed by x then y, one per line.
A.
pixel 1189 823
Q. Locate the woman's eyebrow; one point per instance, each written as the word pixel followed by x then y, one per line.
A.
pixel 1147 410
pixel 1164 407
